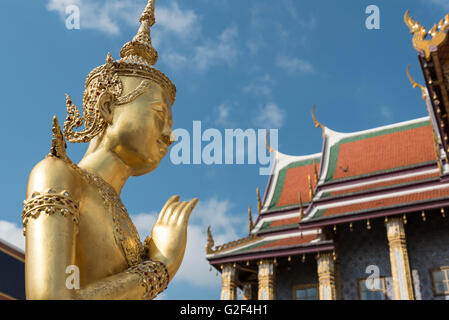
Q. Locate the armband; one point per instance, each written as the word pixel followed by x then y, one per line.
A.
pixel 49 203
pixel 153 277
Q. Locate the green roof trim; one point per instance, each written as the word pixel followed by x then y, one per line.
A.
pixel 281 179
pixel 254 246
pixel 266 225
pixel 335 149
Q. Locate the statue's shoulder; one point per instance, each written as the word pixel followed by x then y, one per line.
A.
pixel 56 171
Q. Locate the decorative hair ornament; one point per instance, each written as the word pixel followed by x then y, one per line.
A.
pixel 137 60
pixel 106 82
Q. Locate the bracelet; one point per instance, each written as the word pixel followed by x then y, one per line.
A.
pixel 153 276
pixel 49 203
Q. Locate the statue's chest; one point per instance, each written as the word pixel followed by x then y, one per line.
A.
pixel 107 213
pixel 125 234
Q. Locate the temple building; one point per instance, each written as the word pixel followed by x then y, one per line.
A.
pixel 12 275
pixel 367 218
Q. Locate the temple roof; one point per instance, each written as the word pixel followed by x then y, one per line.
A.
pixel 380 170
pixel 385 149
pixel 271 246
pixel 388 168
pixel 289 178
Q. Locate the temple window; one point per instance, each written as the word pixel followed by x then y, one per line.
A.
pixel 440 281
pixel 305 292
pixel 377 292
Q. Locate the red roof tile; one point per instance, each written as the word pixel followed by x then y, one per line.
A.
pixel 382 151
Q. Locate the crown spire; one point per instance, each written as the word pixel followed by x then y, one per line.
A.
pixel 140 50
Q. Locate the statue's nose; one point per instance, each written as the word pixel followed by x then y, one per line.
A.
pixel 168 136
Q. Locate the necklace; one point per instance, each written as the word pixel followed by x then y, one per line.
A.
pixel 125 232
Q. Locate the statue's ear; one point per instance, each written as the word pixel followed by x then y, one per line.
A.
pixel 104 105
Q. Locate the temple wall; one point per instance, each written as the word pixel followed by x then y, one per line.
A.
pixel 295 273
pixel 359 249
pixel 428 248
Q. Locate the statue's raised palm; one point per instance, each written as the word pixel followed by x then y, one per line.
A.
pixel 169 236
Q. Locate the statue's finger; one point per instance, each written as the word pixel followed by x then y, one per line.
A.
pixel 169 212
pixel 179 211
pixel 185 215
pixel 173 199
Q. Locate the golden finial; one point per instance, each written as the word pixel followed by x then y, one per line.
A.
pixel 404 218
pixel 315 170
pixel 317 124
pixel 438 34
pixel 368 225
pixel 310 187
pixel 423 215
pixel 250 217
pixel 140 48
pixel 269 148
pixel 210 241
pixel 259 202
pixel 58 144
pixel 415 84
pixel 443 213
pixel 350 227
pixel 301 209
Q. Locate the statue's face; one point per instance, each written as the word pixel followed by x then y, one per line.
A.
pixel 140 131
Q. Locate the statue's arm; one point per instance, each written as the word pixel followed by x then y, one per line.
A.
pixel 50 220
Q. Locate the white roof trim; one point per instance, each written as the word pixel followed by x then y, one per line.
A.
pixel 367 183
pixel 333 137
pixel 372 198
pixel 281 161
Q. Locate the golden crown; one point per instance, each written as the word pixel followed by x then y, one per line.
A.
pixel 137 59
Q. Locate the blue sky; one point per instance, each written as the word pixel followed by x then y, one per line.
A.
pixel 236 64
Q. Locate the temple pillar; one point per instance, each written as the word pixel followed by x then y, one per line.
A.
pixel 249 291
pixel 400 267
pixel 326 276
pixel 228 285
pixel 266 280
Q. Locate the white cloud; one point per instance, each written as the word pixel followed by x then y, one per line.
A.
pixel 110 16
pixel 442 3
pixel 292 64
pixel 270 116
pixel 174 26
pixel 261 86
pixel 104 16
pixel 223 114
pixel 13 234
pixel 225 227
pixel 213 52
pixel 386 113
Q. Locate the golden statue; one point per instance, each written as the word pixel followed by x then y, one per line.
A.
pixel 73 217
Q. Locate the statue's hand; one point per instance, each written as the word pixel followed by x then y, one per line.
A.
pixel 169 236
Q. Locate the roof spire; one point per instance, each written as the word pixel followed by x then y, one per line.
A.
pixel 310 188
pixel 315 170
pixel 259 202
pixel 210 241
pixel 415 84
pixel 301 208
pixel 251 223
pixel 317 124
pixel 269 148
